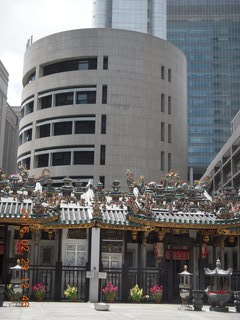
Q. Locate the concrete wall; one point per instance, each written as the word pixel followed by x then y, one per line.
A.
pixel 133 109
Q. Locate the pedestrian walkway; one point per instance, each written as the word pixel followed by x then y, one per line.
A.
pixel 118 311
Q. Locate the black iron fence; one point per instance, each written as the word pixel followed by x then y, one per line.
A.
pixel 75 276
pixel 235 281
pixel 56 279
pixel 127 279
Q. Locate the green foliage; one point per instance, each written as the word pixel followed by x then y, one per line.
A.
pixel 10 294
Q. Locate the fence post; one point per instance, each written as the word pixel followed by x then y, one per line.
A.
pixel 58 281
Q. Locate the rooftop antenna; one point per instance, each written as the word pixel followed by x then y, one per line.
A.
pixel 29 42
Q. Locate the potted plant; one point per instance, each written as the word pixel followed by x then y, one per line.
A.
pixel 39 290
pixel 10 295
pixel 157 293
pixel 71 293
pixel 110 292
pixel 136 294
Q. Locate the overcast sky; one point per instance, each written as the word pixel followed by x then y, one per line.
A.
pixel 21 19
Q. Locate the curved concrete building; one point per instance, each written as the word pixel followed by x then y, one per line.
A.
pixel 96 102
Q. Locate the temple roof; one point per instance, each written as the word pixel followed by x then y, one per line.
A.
pixel 146 206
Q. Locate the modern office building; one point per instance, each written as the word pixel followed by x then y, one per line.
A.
pixel 224 170
pixel 97 102
pixel 208 32
pixel 8 127
pixel 147 16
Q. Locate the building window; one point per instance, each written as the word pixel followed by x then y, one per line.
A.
pixel 162 102
pixel 46 102
pixel 86 97
pixel 162 131
pixel 70 65
pixel 63 99
pixel 103 123
pixel 105 63
pixel 162 72
pixel 31 78
pixel 169 161
pixel 29 107
pixel 84 127
pixel 26 163
pixel 43 160
pixel 102 154
pixel 102 180
pixel 169 105
pixel 28 135
pixel 162 161
pixel 83 157
pixel 169 75
pixel 83 65
pixel 104 94
pixel 62 128
pixel 44 131
pixel 61 158
pixel 169 133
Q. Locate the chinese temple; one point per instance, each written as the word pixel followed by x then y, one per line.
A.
pixel 142 236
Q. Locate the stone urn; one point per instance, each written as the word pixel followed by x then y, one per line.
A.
pixel 219 287
pixel 197 299
pixel 2 292
pixel 236 295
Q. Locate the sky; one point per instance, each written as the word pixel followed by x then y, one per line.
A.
pixel 21 19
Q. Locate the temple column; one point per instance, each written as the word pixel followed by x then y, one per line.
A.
pixel 95 260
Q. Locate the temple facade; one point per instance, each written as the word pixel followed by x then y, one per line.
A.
pixel 87 236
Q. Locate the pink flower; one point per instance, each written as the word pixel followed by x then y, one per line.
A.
pixel 40 287
pixel 110 291
pixel 156 289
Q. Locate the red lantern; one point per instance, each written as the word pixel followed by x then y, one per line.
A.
pixel 204 251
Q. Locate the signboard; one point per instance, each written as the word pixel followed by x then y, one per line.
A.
pixel 102 275
pixel 177 254
pixel 90 274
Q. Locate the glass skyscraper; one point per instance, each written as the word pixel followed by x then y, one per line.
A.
pixel 208 32
pixel 147 16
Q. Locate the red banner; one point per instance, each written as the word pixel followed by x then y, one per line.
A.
pixel 2 248
pixel 177 254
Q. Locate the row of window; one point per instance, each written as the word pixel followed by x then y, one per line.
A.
pixel 87 63
pixel 78 156
pixel 56 127
pixel 81 95
pixel 69 157
pixel 68 98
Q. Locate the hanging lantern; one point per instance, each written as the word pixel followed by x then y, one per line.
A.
pixel 204 251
